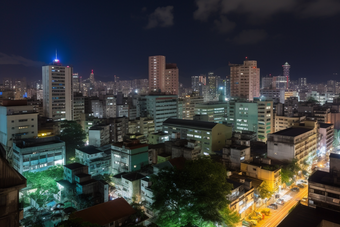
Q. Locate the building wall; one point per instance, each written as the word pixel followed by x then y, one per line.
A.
pixel 156 73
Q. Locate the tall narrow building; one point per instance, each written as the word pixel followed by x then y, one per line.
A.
pixel 57 91
pixel 163 78
pixel 245 80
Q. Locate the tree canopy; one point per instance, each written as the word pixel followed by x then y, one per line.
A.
pixel 265 190
pixel 194 195
pixel 289 170
pixel 73 135
pixel 44 182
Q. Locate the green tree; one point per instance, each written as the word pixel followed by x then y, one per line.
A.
pixel 45 183
pixel 265 190
pixel 289 170
pixel 73 135
pixel 72 222
pixel 312 99
pixel 194 195
pixel 230 218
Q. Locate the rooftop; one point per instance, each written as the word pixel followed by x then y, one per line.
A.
pixel 190 123
pixel 292 132
pixel 322 177
pixel 235 184
pixel 306 216
pixel 333 155
pixel 325 125
pixel 133 176
pixel 89 149
pixel 87 182
pixel 74 165
pixel 36 142
pixel 81 175
pixel 255 182
pixel 105 213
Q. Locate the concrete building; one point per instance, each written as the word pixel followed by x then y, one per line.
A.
pixel 263 171
pixel 186 106
pixel 17 121
pixel 160 108
pixel 267 82
pixel 98 159
pixel 245 80
pixel 128 185
pixel 156 73
pixel 11 211
pixel 327 136
pixel 197 82
pixel 211 135
pixel 77 181
pixel 58 91
pixel 234 154
pixel 158 137
pixel 188 149
pixel 278 96
pixel 212 112
pixel 129 156
pixel 171 80
pixel 324 187
pixel 78 106
pixel 241 197
pixel 38 154
pixel 298 142
pixel 283 122
pixel 256 116
pixel 99 135
pixel 142 125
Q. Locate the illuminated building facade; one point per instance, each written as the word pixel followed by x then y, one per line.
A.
pixel 57 91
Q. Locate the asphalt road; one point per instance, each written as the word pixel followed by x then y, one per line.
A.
pixel 276 216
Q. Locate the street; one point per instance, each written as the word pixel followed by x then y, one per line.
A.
pixel 276 216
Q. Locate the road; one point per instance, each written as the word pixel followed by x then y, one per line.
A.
pixel 276 216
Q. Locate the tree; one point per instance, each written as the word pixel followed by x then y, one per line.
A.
pixel 312 99
pixel 73 135
pixel 289 170
pixel 45 183
pixel 230 218
pixel 72 222
pixel 194 195
pixel 265 190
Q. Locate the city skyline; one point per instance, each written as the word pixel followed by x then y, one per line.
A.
pixel 118 38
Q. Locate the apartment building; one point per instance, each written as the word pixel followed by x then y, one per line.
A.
pixel 128 185
pixel 99 135
pixel 211 135
pixel 38 154
pixel 212 112
pixel 17 121
pixel 327 136
pixel 186 106
pixel 324 187
pixel 283 122
pixel 98 159
pixel 298 142
pixel 128 156
pixel 142 125
pixel 263 171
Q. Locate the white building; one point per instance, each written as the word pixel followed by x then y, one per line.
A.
pixel 17 121
pixel 58 91
pixel 38 154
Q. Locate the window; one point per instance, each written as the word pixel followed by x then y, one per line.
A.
pixel 22 120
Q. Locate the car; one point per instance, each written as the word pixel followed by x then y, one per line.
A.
pixel 266 211
pixel 280 201
pixel 304 199
pixel 273 206
pixel 295 189
pixel 301 186
pixel 303 181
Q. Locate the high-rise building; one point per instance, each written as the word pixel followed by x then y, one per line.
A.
pixel 212 86
pixel 57 91
pixel 156 73
pixel 267 82
pixel 245 80
pixel 76 82
pixel 162 77
pixel 198 81
pixel 302 82
pixel 280 82
pixel 286 68
pixel 92 80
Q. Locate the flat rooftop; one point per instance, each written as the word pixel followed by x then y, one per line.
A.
pixel 89 149
pixel 133 176
pixel 25 143
pixel 312 217
pixel 322 177
pixel 325 125
pixel 74 165
pixel 292 132
pixel 189 123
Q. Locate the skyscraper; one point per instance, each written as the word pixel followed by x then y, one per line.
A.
pixel 286 68
pixel 92 77
pixel 57 91
pixel 162 77
pixel 245 80
pixel 76 82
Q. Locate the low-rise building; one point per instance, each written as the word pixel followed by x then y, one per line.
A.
pixel 324 187
pixel 298 142
pixel 327 136
pixel 38 154
pixel 263 171
pixel 128 185
pixel 98 159
pixel 158 137
pixel 211 135
pixel 283 122
pixel 233 155
pixel 129 156
pixel 99 135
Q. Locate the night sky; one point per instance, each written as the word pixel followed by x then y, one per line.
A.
pixel 116 37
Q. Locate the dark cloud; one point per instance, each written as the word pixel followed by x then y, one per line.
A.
pixel 17 60
pixel 250 36
pixel 224 24
pixel 321 8
pixel 162 17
